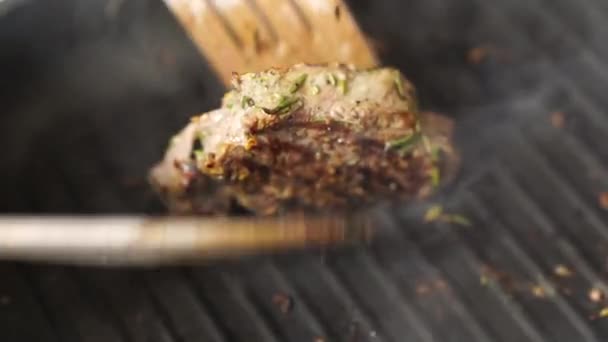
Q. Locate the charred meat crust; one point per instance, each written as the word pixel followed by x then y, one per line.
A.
pixel 306 138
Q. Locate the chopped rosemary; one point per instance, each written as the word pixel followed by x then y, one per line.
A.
pixel 403 145
pixel 435 176
pixel 457 219
pixel 433 213
pixel 314 90
pixel 436 214
pixel 286 104
pixel 399 86
pixel 562 271
pixel 342 87
pixel 298 83
pixel 331 79
pixel 247 101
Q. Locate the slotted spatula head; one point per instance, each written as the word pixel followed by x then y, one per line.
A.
pixel 253 35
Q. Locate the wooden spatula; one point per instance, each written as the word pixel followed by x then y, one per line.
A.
pixel 253 35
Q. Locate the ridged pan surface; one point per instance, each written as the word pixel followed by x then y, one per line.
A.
pixel 525 81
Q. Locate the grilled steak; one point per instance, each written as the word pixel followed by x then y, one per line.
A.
pixel 306 138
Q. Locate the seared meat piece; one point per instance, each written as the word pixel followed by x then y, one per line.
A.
pixel 307 138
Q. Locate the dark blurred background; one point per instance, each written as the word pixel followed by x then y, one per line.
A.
pixel 92 90
pixel 91 93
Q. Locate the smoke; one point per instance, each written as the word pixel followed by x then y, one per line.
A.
pixel 496 68
pixel 117 78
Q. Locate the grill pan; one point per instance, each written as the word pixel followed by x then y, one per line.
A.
pixel 93 98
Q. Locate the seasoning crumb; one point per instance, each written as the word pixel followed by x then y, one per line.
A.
pixel 562 271
pixel 558 119
pixel 596 295
pixel 283 302
pixel 538 291
pixel 603 200
pixel 422 289
pixel 337 12
pixel 441 285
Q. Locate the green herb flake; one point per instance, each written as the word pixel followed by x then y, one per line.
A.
pixel 435 176
pixel 342 86
pixel 198 154
pixel 298 83
pixel 403 145
pixel 433 213
pixel 435 154
pixel 201 137
pixel 247 101
pixel 286 104
pixel 399 86
pixel 458 219
pixel 314 90
pixel 436 213
pixel 331 79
